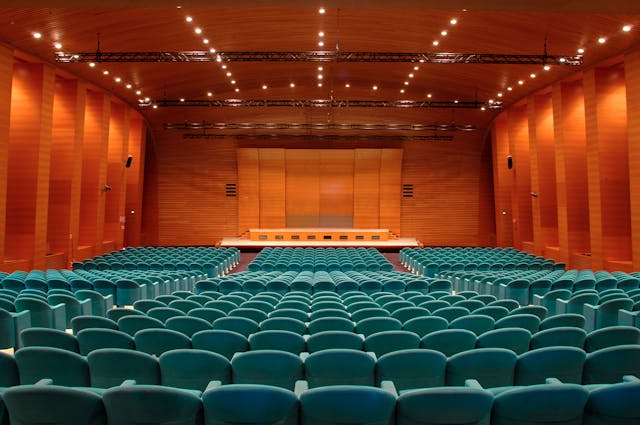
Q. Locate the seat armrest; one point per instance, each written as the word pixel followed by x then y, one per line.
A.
pixel 300 387
pixel 390 387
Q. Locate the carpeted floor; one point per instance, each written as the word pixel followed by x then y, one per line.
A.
pixel 394 258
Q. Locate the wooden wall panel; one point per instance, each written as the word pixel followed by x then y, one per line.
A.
pixel 571 172
pixel 366 189
pixel 390 189
pixel 117 156
pixel 66 166
pixel 503 181
pixel 521 190
pixel 607 160
pixel 632 76
pixel 29 163
pixel 248 189
pixel 543 174
pixel 6 76
pixel 272 188
pixel 94 174
pixel 302 187
pixel 135 181
pixel 336 192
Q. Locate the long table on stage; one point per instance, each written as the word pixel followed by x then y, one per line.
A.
pixel 318 234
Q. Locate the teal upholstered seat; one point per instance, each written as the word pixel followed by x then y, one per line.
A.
pixel 193 369
pixel 277 340
pixel 63 367
pixel 95 338
pixel 413 368
pixel 339 367
pixel 491 367
pixel 45 337
pixel 334 339
pixel 158 341
pixel 283 369
pixel 563 363
pixel 615 404
pixel 449 341
pixel 110 367
pixel 220 341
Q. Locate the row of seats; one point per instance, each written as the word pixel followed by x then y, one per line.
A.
pixel 408 369
pixel 320 259
pixel 131 404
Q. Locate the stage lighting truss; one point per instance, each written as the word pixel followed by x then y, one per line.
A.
pixel 317 126
pixel 322 103
pixel 311 137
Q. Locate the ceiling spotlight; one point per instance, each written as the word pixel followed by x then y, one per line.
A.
pixel 626 28
pixel 443 33
pixel 490 101
pixel 532 75
pixel 602 40
pixel 233 81
pixel 92 65
pixel 118 79
pixel 321 34
pixel 429 95
pixel 198 31
pixel 292 85
pixel 321 11
pixel 237 90
pixel 406 83
pixel 182 99
pixel 563 60
pixel 320 68
pixel 223 66
pixel 321 43
pixel 205 40
pixel 319 76
pixel 546 67
pixel 436 42
pixel 128 86
pixel 401 90
pixel 228 74
pixel 347 85
pixel 520 82
pixel 188 19
pixel 483 108
pixel 455 101
pixel 264 87
pixel 58 46
pixel 415 68
pixel 218 58
pixel 410 75
pixel 453 21
pixel 319 84
pixel 212 50
pixel 155 106
pixel 105 72
pixel 499 95
pixel 209 94
pixel 509 88
pixel 138 92
pixel 37 35
pixel 581 50
pixel 375 87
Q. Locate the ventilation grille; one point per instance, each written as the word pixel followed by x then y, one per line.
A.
pixel 407 190
pixel 231 189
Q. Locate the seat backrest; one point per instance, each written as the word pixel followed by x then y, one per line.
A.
pixel 44 337
pixel 562 320
pixel 220 341
pixel 413 368
pixel 563 363
pixel 158 341
pixel 188 325
pixel 615 404
pixel 283 370
pixel 385 342
pixel 8 370
pixel 110 367
pixel 95 338
pixel 193 369
pixel 491 367
pixel 133 324
pixel 63 367
pixel 277 340
pixel 449 341
pixel 476 323
pixel 339 367
pixel 562 336
pixel 241 325
pixel 373 325
pixel 611 336
pixel 609 365
pixel 514 339
pixel 423 326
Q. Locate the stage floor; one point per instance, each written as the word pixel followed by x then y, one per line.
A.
pixel 391 244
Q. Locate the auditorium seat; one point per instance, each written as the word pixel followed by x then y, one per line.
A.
pixel 110 367
pixel 611 336
pixel 95 338
pixel 267 367
pixel 562 363
pixel 220 341
pixel 423 326
pixel 610 365
pixel 241 325
pixel 476 323
pixel 158 341
pixel 193 369
pixel 42 314
pixel 561 336
pixel 277 340
pixel 491 367
pixel 117 313
pixel 339 367
pixel 449 341
pixel 615 404
pixel 412 368
pixel 64 367
pixel 563 320
pixel 45 337
pixel 188 325
pixel 385 342
pixel 133 324
pixel 333 339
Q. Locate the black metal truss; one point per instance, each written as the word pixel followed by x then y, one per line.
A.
pixel 322 56
pixel 322 103
pixel 350 137
pixel 316 126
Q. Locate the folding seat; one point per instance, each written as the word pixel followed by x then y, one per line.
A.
pixel 7 304
pixel 423 326
pixel 558 404
pixel 220 341
pixel 222 305
pixel 610 365
pixel 469 304
pixel 293 303
pixel 184 305
pixel 324 304
pixel 418 285
pixel 11 325
pixel 451 313
pixel 236 404
pixel 548 300
pixel 514 339
pixel 436 285
pixel 529 322
pixel 536 310
pixel 385 342
pixel 188 325
pixel 407 313
pixel 563 363
pixel 449 341
pixel 452 299
pixel 412 368
pixel 611 336
pixel 604 314
pixel 152 404
pixel 303 316
pixel 42 314
pixel 419 299
pixel 350 404
pixel 381 298
pixel 214 295
pixel 226 286
pixel 8 373
pixel 84 322
pixel 576 302
pixel 129 291
pixel 259 304
pixel 476 323
pixel 283 370
pixel 334 339
pixel 90 339
pixel 508 304
pixel 73 306
pixel 495 311
pixel 250 313
pixel 365 313
pixel 146 305
pixel 110 367
pixel 167 298
pixel 45 337
pixel 284 324
pixel 561 336
pixel 208 314
pixel 339 367
pixel 133 324
pixel 373 325
pixel 164 313
pixel 444 406
pixel 360 304
pixel 394 286
pixel 329 313
pixel 433 305
pixel 64 367
pixel 241 325
pixel 277 340
pixel 393 306
pixel 158 341
pixel 563 320
pixel 330 324
pixel 53 404
pixel 491 367
pixel 193 369
pixel 116 314
pixel 615 404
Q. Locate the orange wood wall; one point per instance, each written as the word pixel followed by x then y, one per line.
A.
pixel 582 148
pixel 55 156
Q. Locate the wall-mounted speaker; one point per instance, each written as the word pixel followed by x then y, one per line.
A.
pixel 407 190
pixel 128 163
pixel 509 162
pixel 231 189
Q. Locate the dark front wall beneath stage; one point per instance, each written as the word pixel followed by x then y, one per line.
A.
pixel 186 203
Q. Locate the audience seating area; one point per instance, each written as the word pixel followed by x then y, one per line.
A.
pixel 301 338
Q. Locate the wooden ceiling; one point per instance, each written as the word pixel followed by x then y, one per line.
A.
pixel 485 26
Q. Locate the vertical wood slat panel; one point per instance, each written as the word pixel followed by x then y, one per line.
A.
pixel 302 187
pixel 538 239
pixel 135 181
pixel 521 190
pixel 248 189
pixel 6 76
pixel 272 188
pixel 502 181
pixel 336 187
pixel 116 157
pixel 632 76
pixel 571 172
pixel 390 189
pixel 366 189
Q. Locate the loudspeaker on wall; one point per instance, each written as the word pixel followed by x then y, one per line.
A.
pixel 129 159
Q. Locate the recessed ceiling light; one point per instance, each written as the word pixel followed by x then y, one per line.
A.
pixel 520 82
pixel 155 106
pixel 321 11
pixel 375 87
pixel 264 87
pixel 581 50
pixel 406 83
pixel 562 60
pixel 198 31
pixel 205 40
pixel 212 50
pixel 91 64
pixel 490 101
pixel 401 90
pixel 233 81
pixel 436 42
pixel 209 94
pixel 546 67
pixel 320 43
pixel 320 77
pixel 228 74
pixel 128 86
pixel 453 21
pixel 57 46
pixel 292 85
pixel 532 75
pixel 410 75
pixel 37 35
pixel 319 84
pixel 499 95
pixel 146 99
pixel 347 85
pixel 237 90
pixel 138 92
pixel 602 40
pixel 483 108
pixel 455 101
pixel 188 19
pixel 218 58
pixel 415 68
pixel 429 95
pixel 443 33
pixel 626 28
pixel 224 67
pixel 105 72
pixel 320 68
pixel 509 88
pixel 321 34
pixel 182 99
pixel 118 79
